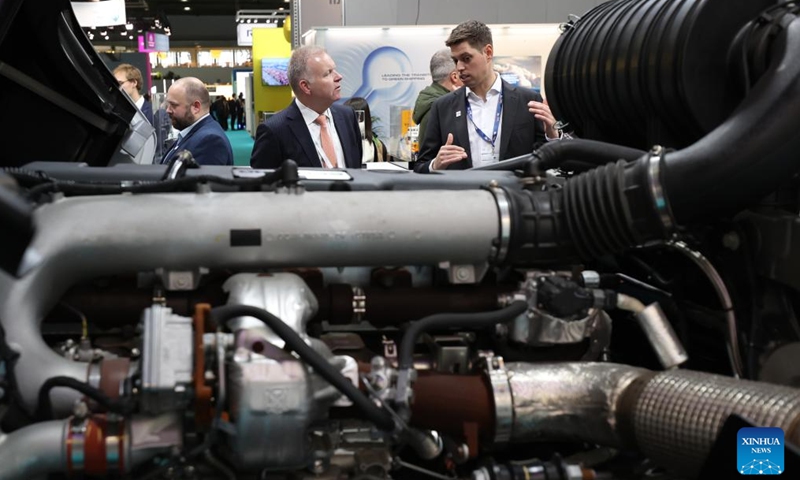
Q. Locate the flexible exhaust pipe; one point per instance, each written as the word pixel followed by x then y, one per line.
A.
pixel 673 417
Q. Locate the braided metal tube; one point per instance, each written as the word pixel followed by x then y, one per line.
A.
pixel 678 414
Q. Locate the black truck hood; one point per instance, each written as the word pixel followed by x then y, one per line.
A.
pixel 59 101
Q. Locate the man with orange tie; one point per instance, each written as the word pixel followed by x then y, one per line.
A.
pixel 312 130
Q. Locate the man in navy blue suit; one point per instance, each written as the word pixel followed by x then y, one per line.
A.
pixel 188 103
pixel 312 130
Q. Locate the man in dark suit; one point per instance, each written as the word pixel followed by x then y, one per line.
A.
pixel 312 130
pixel 188 103
pixel 489 120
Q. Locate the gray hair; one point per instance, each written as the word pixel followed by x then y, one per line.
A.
pixel 298 64
pixel 441 65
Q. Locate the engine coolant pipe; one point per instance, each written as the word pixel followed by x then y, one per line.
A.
pixel 91 445
pixel 673 417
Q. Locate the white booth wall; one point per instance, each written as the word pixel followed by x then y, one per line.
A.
pixel 434 12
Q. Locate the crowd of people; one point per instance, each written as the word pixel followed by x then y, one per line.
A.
pixel 467 117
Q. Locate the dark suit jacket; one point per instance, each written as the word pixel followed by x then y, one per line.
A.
pixel 521 132
pixel 207 142
pixel 147 109
pixel 285 136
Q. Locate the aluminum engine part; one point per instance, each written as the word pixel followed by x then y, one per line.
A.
pixel 540 328
pixel 284 295
pixel 271 409
pixel 167 360
pixel 309 230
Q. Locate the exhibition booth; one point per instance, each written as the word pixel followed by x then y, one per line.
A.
pixel 389 66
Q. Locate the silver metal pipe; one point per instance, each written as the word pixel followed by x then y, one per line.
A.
pixel 38 449
pixel 568 401
pixel 673 417
pixel 84 237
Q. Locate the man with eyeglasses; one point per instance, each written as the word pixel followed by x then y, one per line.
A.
pixel 130 80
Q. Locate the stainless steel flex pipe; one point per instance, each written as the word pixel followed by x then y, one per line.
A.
pixel 672 417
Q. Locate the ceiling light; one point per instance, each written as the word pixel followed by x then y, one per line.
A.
pixel 106 37
pixel 281 8
pixel 128 26
pixel 187 8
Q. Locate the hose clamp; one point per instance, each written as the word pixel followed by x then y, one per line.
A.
pixel 656 189
pixel 76 444
pixel 504 210
pixel 359 304
pixel 503 402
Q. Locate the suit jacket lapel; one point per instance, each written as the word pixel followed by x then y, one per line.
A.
pixel 297 125
pixel 461 135
pixel 510 104
pixel 345 137
pixel 176 146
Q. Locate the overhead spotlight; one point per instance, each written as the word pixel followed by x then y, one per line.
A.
pixel 130 37
pixel 103 33
pixel 91 36
pixel 187 8
pixel 128 26
pixel 106 37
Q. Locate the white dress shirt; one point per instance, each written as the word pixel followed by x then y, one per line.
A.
pixel 483 114
pixel 310 117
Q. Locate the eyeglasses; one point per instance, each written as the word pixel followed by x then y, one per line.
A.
pixel 122 82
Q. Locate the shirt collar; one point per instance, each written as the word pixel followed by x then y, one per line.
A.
pixel 310 115
pixel 497 88
pixel 188 129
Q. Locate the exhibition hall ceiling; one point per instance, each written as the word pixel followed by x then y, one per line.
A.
pixel 172 8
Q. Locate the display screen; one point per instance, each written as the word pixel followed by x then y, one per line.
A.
pixel 275 71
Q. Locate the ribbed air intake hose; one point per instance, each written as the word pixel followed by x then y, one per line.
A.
pixel 617 206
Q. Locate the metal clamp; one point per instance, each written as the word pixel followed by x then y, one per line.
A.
pixel 504 209
pixel 656 190
pixel 359 304
pixel 503 403
pixel 76 444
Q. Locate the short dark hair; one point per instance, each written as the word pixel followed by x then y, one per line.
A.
pixel 476 33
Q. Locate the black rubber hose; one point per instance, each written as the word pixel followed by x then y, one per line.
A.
pixel 447 320
pixel 45 411
pixel 381 418
pixel 746 157
pixel 553 154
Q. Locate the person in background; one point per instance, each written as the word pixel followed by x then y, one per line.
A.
pixel 487 121
pixel 130 81
pixel 219 111
pixel 233 109
pixel 241 120
pixel 313 130
pixel 188 104
pixel 373 148
pixel 445 79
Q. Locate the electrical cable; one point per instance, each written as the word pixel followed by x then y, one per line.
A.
pixel 445 320
pixel 44 409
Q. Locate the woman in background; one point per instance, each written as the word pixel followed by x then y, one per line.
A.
pixel 374 149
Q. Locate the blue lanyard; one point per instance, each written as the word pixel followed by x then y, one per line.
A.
pixel 497 117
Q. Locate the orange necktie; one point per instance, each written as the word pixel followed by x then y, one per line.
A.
pixel 325 139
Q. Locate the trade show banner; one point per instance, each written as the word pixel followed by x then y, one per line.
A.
pixel 389 66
